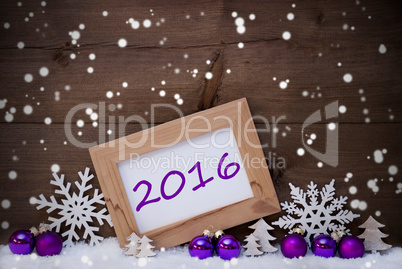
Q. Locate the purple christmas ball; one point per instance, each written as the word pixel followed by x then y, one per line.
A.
pixel 228 247
pixel 323 246
pixel 351 247
pixel 48 244
pixel 201 247
pixel 21 242
pixel 294 245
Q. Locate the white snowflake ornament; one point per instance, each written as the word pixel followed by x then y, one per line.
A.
pixel 315 217
pixel 77 210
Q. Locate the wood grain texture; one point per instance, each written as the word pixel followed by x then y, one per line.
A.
pixel 309 60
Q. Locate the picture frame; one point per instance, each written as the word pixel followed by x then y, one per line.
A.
pixel 108 157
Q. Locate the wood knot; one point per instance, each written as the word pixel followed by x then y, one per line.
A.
pixel 60 57
pixel 320 18
pixel 210 96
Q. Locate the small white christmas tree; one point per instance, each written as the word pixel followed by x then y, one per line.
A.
pixel 132 247
pixel 145 248
pixel 252 246
pixel 261 232
pixel 372 236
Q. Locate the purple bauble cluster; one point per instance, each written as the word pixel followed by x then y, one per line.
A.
pixel 324 246
pixel 226 246
pixel 47 243
pixel 294 246
pixel 351 247
pixel 21 242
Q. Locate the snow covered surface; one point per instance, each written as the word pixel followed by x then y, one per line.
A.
pixel 109 255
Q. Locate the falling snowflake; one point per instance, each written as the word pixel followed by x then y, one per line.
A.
pixel 76 210
pixel 315 217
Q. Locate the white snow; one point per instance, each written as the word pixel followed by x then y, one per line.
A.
pixel 352 190
pixel 5 225
pixel 5 204
pixel 290 16
pixel 32 200
pixel 239 21
pixel 109 255
pixel 342 109
pixel 44 71
pixel 122 42
pixel 12 175
pixel 286 35
pixel 241 29
pixel 331 126
pixel 378 157
pixel 94 116
pixel 55 168
pixel 382 49
pixel 28 110
pixel 393 170
pixel 28 78
pixel 147 23
pixel 347 78
pixel 48 120
pixel 109 95
pixel 75 35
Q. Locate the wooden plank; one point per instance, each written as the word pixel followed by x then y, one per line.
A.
pixel 143 70
pixel 201 29
pixel 253 68
pixel 357 141
pixel 314 19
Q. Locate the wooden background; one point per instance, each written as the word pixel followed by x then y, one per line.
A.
pixel 204 30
